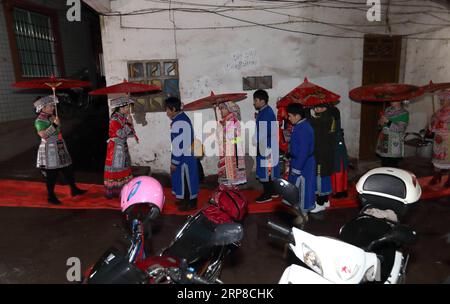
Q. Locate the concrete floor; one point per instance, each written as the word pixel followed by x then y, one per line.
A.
pixel 36 243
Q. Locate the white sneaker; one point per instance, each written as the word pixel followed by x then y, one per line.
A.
pixel 320 208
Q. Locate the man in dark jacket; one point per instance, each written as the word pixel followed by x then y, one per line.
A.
pixel 324 133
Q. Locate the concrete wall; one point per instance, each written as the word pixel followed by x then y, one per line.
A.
pixel 217 59
pixel 77 53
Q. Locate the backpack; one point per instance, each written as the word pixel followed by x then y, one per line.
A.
pixel 227 205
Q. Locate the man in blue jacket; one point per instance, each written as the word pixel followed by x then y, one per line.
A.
pixel 183 164
pixel 302 162
pixel 267 157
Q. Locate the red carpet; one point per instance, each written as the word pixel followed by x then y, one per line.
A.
pixel 33 194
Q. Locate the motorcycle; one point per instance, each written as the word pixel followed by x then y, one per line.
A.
pixel 369 248
pixel 196 254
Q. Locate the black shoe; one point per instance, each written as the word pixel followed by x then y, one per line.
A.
pixel 77 191
pixel 264 198
pixel 188 205
pixel 341 195
pixel 54 200
pixel 178 203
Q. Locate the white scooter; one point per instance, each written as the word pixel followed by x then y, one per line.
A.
pixel 369 248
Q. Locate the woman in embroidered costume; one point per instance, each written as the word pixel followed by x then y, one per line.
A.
pixel 390 145
pixel 231 158
pixel 118 162
pixel 440 126
pixel 53 155
pixel 339 177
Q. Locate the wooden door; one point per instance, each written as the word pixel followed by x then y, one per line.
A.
pixel 381 64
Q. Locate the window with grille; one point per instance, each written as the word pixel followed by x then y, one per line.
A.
pixel 162 73
pixel 35 44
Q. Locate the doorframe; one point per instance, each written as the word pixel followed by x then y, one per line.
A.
pixel 399 73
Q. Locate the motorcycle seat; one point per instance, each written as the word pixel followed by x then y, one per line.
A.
pixel 363 230
pixel 193 242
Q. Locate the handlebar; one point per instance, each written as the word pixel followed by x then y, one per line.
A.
pixel 184 276
pixel 286 232
pixel 196 279
pixel 283 230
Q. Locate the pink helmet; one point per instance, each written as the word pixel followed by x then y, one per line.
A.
pixel 145 193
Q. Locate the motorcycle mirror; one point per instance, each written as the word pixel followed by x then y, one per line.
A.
pixel 287 190
pixel 226 234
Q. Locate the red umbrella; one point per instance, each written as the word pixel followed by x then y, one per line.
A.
pixel 213 100
pixel 309 95
pixel 126 87
pixel 433 87
pixel 51 82
pixel 386 92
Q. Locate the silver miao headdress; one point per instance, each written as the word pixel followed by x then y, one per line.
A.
pixel 42 102
pixel 120 102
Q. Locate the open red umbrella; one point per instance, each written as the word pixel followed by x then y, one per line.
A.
pixel 434 87
pixel 309 95
pixel 386 92
pixel 126 87
pixel 213 101
pixel 51 83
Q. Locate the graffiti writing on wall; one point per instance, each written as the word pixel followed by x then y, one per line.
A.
pixel 242 60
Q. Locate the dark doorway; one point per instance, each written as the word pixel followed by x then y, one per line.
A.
pixel 89 114
pixel 381 64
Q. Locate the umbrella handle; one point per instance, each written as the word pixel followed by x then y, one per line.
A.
pixel 54 98
pixel 434 110
pixel 215 112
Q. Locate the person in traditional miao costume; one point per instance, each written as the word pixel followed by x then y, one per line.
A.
pixel 267 155
pixel 302 168
pixel 339 177
pixel 322 122
pixel 440 126
pixel 53 155
pixel 391 144
pixel 118 161
pixel 231 149
pixel 183 163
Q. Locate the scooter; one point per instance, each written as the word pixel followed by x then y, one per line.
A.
pixel 369 248
pixel 196 254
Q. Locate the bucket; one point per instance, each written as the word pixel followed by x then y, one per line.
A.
pixel 425 150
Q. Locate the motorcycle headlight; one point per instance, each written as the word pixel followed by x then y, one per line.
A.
pixel 311 259
pixel 370 274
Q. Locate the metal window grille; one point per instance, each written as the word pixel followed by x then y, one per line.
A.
pixel 163 73
pixel 35 44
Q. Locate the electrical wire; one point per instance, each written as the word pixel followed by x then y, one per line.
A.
pixel 172 19
pixel 220 12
